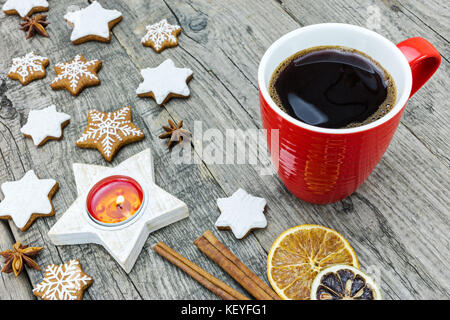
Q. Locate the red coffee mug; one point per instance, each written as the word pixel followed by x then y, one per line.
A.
pixel 320 165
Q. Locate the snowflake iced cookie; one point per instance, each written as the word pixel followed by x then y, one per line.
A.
pixel 63 282
pixel 92 23
pixel 25 7
pixel 241 213
pixel 161 35
pixel 76 75
pixel 108 132
pixel 28 68
pixel 164 82
pixel 46 124
pixel 27 199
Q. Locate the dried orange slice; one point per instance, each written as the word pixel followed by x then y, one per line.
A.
pixel 300 253
pixel 341 282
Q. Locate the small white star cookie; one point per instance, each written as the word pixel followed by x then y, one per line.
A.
pixel 46 124
pixel 161 35
pixel 241 213
pixel 164 82
pixel 92 23
pixel 25 8
pixel 63 282
pixel 27 199
pixel 28 68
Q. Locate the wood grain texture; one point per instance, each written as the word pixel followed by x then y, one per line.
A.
pixel 397 221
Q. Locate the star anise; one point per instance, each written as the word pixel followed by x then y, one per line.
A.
pixel 175 133
pixel 16 257
pixel 35 25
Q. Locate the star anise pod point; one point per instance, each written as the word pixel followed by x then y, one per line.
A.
pixel 175 133
pixel 15 258
pixel 35 25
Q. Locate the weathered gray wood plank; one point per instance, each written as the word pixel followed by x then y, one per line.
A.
pixel 12 288
pixel 397 221
pixel 227 27
pixel 435 14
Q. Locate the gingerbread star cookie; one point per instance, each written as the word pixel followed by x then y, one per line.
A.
pixel 76 75
pixel 46 124
pixel 161 35
pixel 63 282
pixel 27 199
pixel 108 132
pixel 28 68
pixel 92 23
pixel 164 82
pixel 25 7
pixel 241 213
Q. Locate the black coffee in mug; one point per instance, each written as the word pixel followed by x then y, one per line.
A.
pixel 333 87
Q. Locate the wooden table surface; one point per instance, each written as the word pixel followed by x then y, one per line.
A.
pixel 398 221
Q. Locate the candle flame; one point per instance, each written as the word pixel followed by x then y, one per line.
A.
pixel 120 200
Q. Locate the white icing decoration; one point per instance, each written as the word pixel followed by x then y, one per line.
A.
pixel 24 6
pixel 164 80
pixel 160 32
pixel 91 21
pixel 62 282
pixel 106 128
pixel 75 70
pixel 241 212
pixel 28 64
pixel 44 123
pixel 25 197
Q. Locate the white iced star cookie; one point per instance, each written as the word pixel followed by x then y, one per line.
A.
pixel 28 68
pixel 25 8
pixel 164 82
pixel 92 23
pixel 27 199
pixel 46 124
pixel 241 213
pixel 161 35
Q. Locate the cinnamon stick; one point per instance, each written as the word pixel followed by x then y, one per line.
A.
pixel 210 282
pixel 223 257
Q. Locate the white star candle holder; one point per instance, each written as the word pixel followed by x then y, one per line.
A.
pixel 117 208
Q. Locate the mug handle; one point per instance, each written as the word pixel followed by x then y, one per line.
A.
pixel 423 59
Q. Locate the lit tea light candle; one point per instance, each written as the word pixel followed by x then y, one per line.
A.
pixel 114 200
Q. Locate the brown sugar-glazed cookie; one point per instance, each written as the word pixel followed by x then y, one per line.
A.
pixel 25 7
pixel 164 82
pixel 161 35
pixel 63 282
pixel 108 132
pixel 93 23
pixel 46 124
pixel 28 68
pixel 27 199
pixel 76 75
